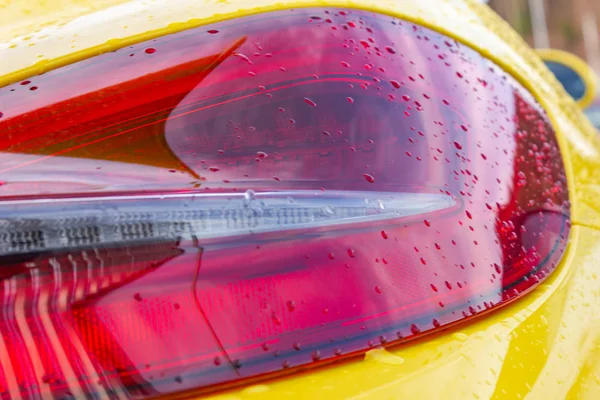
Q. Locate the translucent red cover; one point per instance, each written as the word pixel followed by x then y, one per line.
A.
pixel 262 194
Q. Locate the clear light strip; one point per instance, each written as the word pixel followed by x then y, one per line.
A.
pixel 52 224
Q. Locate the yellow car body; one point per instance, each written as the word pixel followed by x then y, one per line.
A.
pixel 546 345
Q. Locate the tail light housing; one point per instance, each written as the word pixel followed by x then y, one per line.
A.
pixel 262 194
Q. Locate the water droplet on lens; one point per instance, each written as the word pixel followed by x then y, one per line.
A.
pixel 249 196
pixel 213 31
pixel 390 50
pixel 243 57
pixel 310 102
pixel 384 234
pixel 213 169
pixel 414 329
pixel 369 178
pixel 276 320
pixel 378 290
pixel 291 305
pixel 150 50
pixel 328 211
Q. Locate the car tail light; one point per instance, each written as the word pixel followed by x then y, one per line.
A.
pixel 261 194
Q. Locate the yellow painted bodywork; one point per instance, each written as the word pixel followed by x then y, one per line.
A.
pixel 543 346
pixel 587 74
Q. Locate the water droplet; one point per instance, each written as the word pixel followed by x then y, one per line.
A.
pixel 217 361
pixel 414 329
pixel 458 145
pixel 213 169
pixel 275 318
pixel 150 50
pixel 350 100
pixel 384 234
pixel 405 97
pixel 256 389
pixel 291 305
pixel 137 297
pixel 213 31
pixel 390 50
pixel 33 88
pixel 464 128
pixel 328 211
pixel 243 57
pixel 297 346
pixel 310 102
pixel 383 356
pixel 345 64
pixel 435 289
pixel 331 256
pixel 378 290
pixel 369 178
pixel 468 214
pixel 316 355
pixel 261 154
pixel 249 196
pixel 351 253
pixel 395 84
pixel 427 223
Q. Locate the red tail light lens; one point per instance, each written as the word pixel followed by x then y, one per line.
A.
pixel 259 194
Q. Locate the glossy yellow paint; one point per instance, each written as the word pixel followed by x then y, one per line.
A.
pixel 545 345
pixel 578 65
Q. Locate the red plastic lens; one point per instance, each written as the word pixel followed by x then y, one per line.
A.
pixel 259 194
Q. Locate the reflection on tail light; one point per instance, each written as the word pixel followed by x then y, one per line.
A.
pixel 261 194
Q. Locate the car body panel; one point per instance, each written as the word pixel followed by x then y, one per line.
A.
pixel 545 345
pixel 583 70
